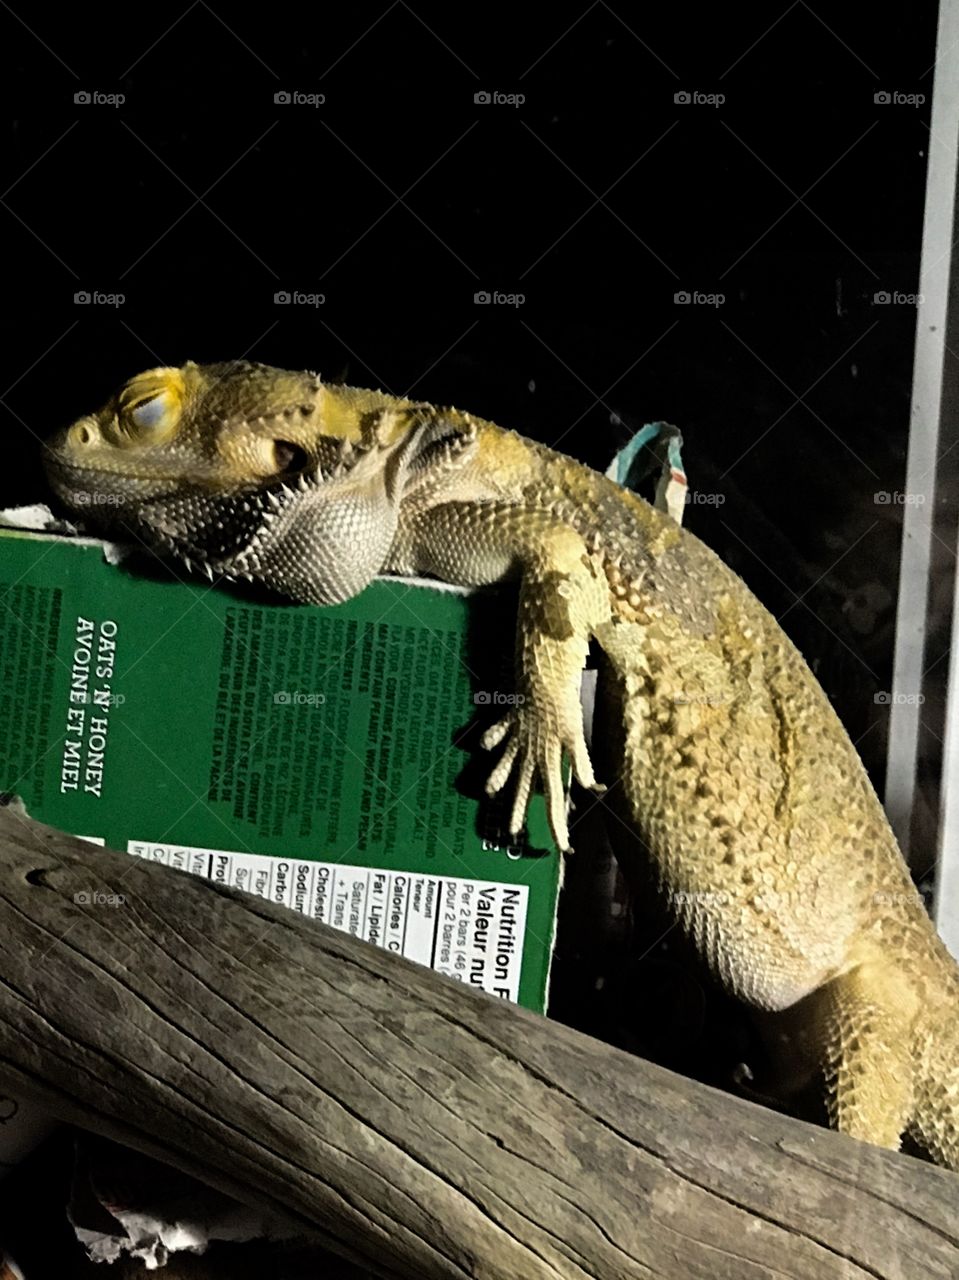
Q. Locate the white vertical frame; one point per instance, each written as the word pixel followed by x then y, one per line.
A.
pixel 932 429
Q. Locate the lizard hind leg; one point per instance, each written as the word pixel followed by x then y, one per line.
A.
pixel 865 1035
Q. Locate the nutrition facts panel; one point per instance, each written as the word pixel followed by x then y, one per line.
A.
pixel 471 930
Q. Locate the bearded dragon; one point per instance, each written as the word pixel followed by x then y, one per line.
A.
pixel 728 772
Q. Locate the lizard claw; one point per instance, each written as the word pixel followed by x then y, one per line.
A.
pixel 495 734
pixel 534 748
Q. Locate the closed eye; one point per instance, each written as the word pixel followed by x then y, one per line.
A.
pixel 150 413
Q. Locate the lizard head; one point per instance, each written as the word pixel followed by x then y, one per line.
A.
pixel 247 471
pixel 218 427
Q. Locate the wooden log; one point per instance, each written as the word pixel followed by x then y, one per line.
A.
pixel 420 1129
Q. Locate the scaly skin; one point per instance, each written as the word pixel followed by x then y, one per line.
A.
pixel 728 771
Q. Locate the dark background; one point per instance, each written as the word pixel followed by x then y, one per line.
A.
pixel 798 198
pixel 599 198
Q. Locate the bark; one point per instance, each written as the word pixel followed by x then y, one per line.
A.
pixel 416 1127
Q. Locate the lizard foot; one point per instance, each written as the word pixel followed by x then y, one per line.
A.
pixel 534 747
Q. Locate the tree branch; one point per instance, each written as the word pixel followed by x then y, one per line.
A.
pixel 416 1127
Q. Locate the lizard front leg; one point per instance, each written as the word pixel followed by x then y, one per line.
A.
pixel 563 598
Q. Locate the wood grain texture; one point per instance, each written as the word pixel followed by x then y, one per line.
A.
pixel 418 1128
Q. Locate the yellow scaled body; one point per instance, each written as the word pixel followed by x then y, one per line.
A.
pixel 727 771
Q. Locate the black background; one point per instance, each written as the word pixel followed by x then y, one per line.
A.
pixel 600 197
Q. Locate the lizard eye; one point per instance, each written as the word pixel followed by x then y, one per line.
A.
pixel 149 406
pixel 150 413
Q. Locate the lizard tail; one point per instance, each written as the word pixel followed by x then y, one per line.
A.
pixel 890 1053
pixel 935 1116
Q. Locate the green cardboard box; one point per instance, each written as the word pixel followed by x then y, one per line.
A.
pixel 307 755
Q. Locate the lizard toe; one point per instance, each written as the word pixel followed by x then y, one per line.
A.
pixel 495 734
pixel 504 767
pixel 524 787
